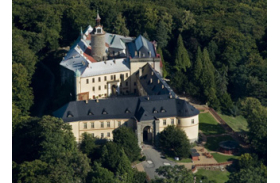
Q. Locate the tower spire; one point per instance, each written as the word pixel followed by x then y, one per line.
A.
pixel 97 18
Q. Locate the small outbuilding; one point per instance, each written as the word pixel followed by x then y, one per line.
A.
pixel 228 147
pixel 195 155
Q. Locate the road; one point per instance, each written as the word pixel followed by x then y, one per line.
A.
pixel 154 161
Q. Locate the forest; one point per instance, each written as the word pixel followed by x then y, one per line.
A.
pixel 212 50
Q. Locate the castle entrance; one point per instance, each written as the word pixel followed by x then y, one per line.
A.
pixel 114 90
pixel 147 135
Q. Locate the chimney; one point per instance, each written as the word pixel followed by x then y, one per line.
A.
pixel 86 101
pixel 139 54
pixel 97 100
pixel 140 72
pixel 170 96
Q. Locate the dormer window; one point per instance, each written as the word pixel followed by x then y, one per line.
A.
pixel 162 110
pixel 155 111
pixel 90 113
pixel 69 114
pixel 104 111
pixel 127 111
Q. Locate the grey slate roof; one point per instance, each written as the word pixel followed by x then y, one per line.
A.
pixel 154 88
pixel 142 108
pixel 143 45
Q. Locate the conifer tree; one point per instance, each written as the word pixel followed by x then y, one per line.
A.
pixel 145 35
pixel 164 72
pixel 120 26
pixel 182 59
pixel 162 35
pixel 198 65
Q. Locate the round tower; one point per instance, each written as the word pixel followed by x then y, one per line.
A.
pixel 98 49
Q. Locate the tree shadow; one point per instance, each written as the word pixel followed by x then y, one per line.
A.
pixel 211 129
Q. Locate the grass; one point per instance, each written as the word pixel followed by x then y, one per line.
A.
pixel 223 158
pixel 238 124
pixel 217 175
pixel 208 125
pixel 213 142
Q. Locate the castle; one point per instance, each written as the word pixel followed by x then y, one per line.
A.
pixel 118 81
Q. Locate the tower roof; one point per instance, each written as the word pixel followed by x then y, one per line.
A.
pixel 98 17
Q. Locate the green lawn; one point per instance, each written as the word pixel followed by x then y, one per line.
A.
pixel 222 158
pixel 208 125
pixel 217 175
pixel 212 143
pixel 238 124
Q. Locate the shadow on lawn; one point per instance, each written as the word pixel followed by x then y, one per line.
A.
pixel 210 129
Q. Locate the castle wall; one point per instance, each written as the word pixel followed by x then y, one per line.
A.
pixel 92 84
pixel 190 125
pixel 78 127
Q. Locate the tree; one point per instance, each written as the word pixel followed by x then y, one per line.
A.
pixel 139 177
pixel 100 175
pixel 187 21
pixel 178 173
pixel 33 171
pixel 87 146
pixel 145 35
pixel 161 35
pixel 21 92
pixel 164 72
pixel 119 26
pixel 182 59
pixel 127 139
pixel 175 140
pixel 51 141
pixel 198 66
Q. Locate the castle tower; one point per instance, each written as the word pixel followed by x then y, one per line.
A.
pixel 98 49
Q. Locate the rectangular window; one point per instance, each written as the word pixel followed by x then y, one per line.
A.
pixel 192 121
pixel 105 86
pixel 164 122
pixel 87 81
pixel 93 80
pixel 172 121
pixel 102 135
pixel 119 123
pixel 112 77
pixel 126 75
pixel 92 125
pixel 102 124
pixel 108 134
pixel 99 87
pixel 105 78
pixel 108 123
pixel 85 125
pixel 93 89
pixel 99 79
pixel 179 121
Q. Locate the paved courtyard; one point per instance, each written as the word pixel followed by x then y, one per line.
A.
pixel 153 161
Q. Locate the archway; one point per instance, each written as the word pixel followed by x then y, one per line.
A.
pixel 114 90
pixel 147 135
